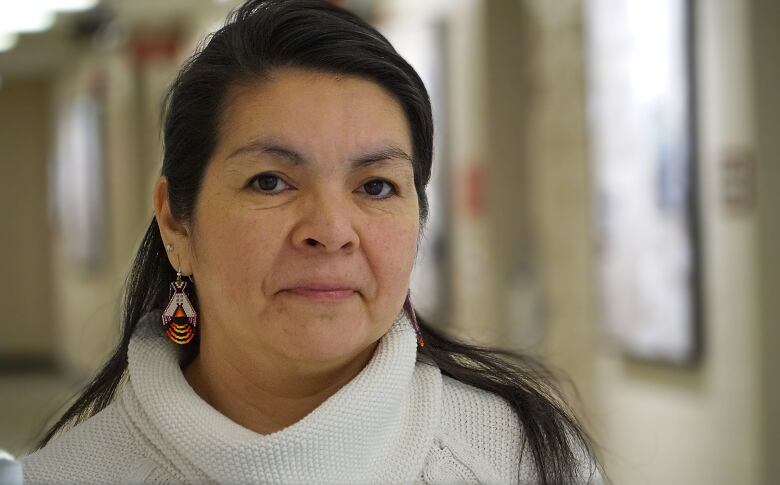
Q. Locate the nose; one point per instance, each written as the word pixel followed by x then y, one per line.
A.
pixel 326 223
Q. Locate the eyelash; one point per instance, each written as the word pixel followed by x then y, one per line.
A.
pixel 253 185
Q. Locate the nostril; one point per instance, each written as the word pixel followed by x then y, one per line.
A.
pixel 311 242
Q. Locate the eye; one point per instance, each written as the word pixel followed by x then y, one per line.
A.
pixel 268 183
pixel 378 188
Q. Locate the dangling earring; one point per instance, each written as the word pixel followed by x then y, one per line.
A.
pixel 179 317
pixel 410 312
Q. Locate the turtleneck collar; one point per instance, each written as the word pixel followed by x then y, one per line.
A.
pixel 375 429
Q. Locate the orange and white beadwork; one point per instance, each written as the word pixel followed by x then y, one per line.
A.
pixel 179 317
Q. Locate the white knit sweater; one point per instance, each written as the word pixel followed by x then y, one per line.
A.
pixel 397 421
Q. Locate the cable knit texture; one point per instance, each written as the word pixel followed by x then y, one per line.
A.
pixel 397 421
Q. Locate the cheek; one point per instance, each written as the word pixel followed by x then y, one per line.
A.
pixel 390 247
pixel 236 253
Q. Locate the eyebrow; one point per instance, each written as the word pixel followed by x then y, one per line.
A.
pixel 390 152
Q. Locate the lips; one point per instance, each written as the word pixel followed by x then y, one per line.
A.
pixel 322 295
pixel 322 291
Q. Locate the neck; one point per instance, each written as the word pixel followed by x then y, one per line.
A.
pixel 266 397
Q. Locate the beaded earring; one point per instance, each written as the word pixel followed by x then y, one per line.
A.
pixel 179 318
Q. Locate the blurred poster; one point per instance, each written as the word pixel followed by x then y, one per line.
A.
pixel 78 181
pixel 642 143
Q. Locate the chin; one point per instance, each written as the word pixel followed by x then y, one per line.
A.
pixel 327 341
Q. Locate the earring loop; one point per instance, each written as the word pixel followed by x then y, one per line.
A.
pixel 413 318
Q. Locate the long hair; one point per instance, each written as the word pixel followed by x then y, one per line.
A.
pixel 259 37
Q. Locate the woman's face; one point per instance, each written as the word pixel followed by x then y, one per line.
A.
pixel 305 229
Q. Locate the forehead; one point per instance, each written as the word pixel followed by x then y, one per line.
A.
pixel 320 114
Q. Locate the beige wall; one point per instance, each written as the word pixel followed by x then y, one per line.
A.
pixel 472 262
pixel 27 326
pixel 766 70
pixel 88 299
pixel 657 424
pixel 516 86
pixel 78 306
pixel 523 270
pixel 559 182
pixel 30 335
pixel 89 302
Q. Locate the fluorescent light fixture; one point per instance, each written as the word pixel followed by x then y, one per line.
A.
pixel 68 5
pixel 7 41
pixel 24 17
pixel 37 15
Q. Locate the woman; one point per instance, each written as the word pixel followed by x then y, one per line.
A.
pixel 268 334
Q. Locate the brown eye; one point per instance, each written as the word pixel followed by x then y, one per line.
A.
pixel 268 183
pixel 378 188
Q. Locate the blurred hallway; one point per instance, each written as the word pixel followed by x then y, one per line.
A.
pixel 513 255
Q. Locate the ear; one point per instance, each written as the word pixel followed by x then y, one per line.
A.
pixel 174 234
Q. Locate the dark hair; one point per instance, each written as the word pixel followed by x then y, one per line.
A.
pixel 265 35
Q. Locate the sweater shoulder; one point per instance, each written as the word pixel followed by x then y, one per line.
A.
pixel 483 428
pixel 489 433
pixel 485 417
pixel 97 450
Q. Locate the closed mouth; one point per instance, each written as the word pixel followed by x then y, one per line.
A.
pixel 322 294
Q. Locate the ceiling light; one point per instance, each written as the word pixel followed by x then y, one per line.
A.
pixel 7 41
pixel 68 5
pixel 37 15
pixel 24 17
